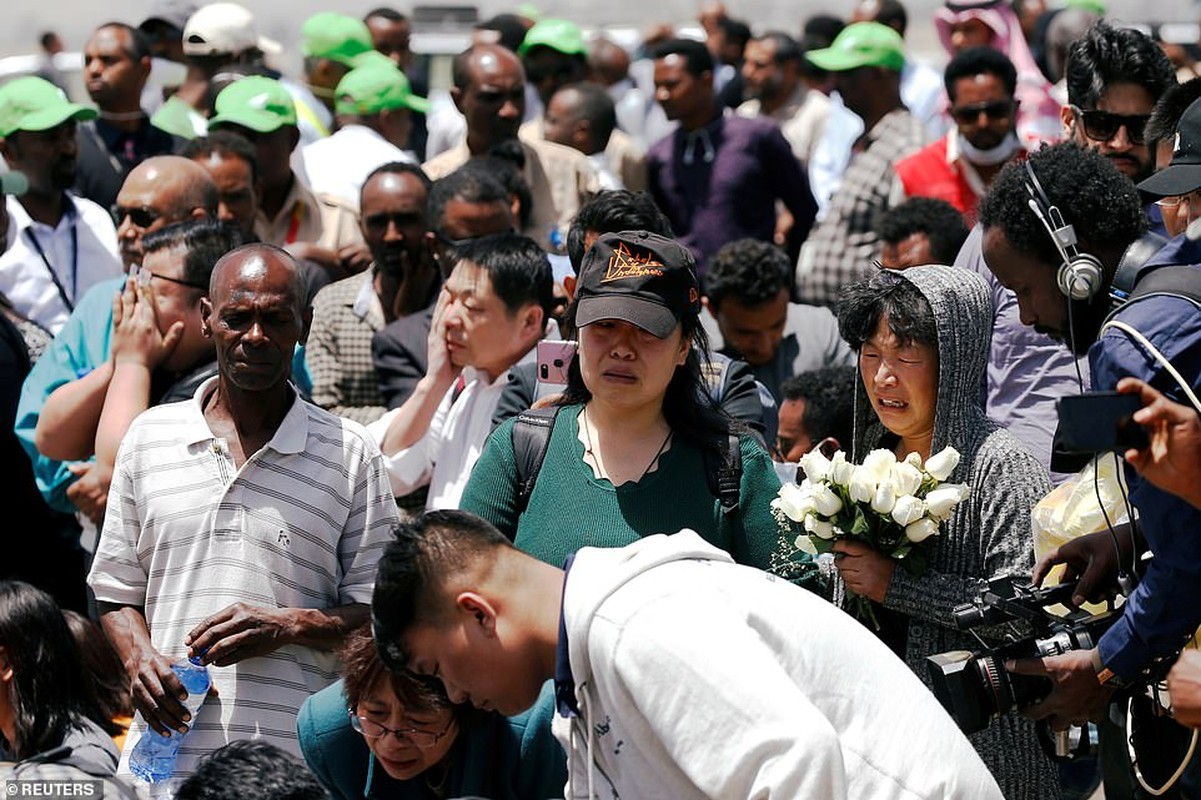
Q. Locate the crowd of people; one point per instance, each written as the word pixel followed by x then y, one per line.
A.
pixel 445 433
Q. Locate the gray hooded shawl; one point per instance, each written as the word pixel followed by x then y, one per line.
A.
pixel 990 533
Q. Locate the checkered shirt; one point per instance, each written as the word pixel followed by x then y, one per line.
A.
pixel 843 247
pixel 338 351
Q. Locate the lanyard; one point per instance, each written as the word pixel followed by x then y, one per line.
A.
pixel 294 225
pixel 62 292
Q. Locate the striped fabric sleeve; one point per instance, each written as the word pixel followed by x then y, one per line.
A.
pixel 372 520
pixel 117 575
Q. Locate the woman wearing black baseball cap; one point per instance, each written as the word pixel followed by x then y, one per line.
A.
pixel 637 445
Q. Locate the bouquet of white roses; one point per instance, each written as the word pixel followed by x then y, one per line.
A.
pixel 894 506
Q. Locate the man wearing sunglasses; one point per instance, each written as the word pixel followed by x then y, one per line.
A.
pixel 981 84
pixel 1114 77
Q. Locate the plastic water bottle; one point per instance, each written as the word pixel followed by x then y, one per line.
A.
pixel 153 757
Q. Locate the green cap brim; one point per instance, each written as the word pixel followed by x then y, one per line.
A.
pixel 419 104
pixel 257 121
pixel 832 60
pixel 48 118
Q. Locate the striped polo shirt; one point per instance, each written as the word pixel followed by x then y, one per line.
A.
pixel 187 533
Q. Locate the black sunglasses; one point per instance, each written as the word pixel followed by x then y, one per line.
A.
pixel 140 217
pixel 1101 126
pixel 997 109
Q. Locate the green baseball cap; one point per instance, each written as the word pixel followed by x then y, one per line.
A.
pixel 261 104
pixel 374 88
pixel 337 37
pixel 557 34
pixel 36 104
pixel 863 44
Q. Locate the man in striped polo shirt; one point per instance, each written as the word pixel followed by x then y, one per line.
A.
pixel 244 528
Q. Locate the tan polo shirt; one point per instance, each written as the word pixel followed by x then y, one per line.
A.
pixel 560 180
pixel 309 217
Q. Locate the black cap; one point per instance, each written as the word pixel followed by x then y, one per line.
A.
pixel 1183 175
pixel 640 278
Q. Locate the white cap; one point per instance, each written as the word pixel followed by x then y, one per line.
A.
pixel 224 29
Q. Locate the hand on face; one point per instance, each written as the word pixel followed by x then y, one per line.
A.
pixel 442 366
pixel 136 335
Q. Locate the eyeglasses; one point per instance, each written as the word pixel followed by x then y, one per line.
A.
pixel 415 736
pixel 142 217
pixel 1193 199
pixel 144 275
pixel 1101 126
pixel 997 109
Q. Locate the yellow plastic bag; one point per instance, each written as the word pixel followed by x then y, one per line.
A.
pixel 1072 510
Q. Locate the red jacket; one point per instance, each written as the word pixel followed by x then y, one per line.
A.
pixel 927 173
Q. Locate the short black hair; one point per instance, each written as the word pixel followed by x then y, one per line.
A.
pixel 886 293
pixel 749 271
pixel 139 44
pixel 383 12
pixel 1106 55
pixel 425 551
pixel 892 14
pixel 980 61
pixel 1093 196
pixel 223 143
pixel 505 161
pixel 939 220
pixel 820 30
pixel 205 242
pixel 786 47
pixel 517 267
pixel 829 395
pixel 735 30
pixel 697 58
pixel 400 168
pixel 595 105
pixel 251 768
pixel 466 184
pixel 613 212
pixel 1165 117
pixel 510 27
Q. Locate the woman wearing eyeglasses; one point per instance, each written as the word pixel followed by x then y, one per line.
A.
pixel 375 734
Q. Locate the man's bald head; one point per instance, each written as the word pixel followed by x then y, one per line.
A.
pixel 161 191
pixel 256 315
pixel 489 90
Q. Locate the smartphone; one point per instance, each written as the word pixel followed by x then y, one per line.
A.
pixel 1099 422
pixel 553 360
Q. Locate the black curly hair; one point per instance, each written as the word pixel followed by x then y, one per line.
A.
pixel 1093 196
pixel 750 271
pixel 939 220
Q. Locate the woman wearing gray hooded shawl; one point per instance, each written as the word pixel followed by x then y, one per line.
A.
pixel 922 336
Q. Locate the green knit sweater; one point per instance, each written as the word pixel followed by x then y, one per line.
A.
pixel 570 508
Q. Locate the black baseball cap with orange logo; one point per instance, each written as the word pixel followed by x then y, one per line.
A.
pixel 640 278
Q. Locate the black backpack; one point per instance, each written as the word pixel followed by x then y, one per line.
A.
pixel 531 438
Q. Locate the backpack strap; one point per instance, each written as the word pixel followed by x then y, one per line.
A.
pixel 723 471
pixel 531 439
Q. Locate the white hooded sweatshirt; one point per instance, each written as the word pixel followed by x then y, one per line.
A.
pixel 699 678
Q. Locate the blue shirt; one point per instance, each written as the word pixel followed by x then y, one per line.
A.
pixel 1165 609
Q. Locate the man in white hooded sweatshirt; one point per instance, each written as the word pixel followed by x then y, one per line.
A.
pixel 678 673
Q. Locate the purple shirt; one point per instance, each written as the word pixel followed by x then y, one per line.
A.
pixel 721 183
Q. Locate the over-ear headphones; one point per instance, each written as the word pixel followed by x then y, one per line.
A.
pixel 1080 275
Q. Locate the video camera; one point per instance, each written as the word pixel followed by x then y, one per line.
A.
pixel 975 687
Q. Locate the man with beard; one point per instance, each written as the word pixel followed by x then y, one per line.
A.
pixel 1164 609
pixel 772 73
pixel 980 85
pixel 403 279
pixel 61 244
pixel 1114 77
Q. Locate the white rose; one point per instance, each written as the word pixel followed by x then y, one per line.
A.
pixel 795 502
pixel 816 466
pixel 942 464
pixel 907 478
pixel 805 544
pixel 914 460
pixel 921 530
pixel 862 485
pixel 885 498
pixel 841 469
pixel 940 501
pixel 908 510
pixel 880 463
pixel 826 502
pixel 823 530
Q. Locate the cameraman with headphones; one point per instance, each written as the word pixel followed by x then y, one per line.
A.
pixel 1063 282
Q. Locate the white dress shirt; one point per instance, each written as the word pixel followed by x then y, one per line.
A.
pixel 46 269
pixel 339 163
